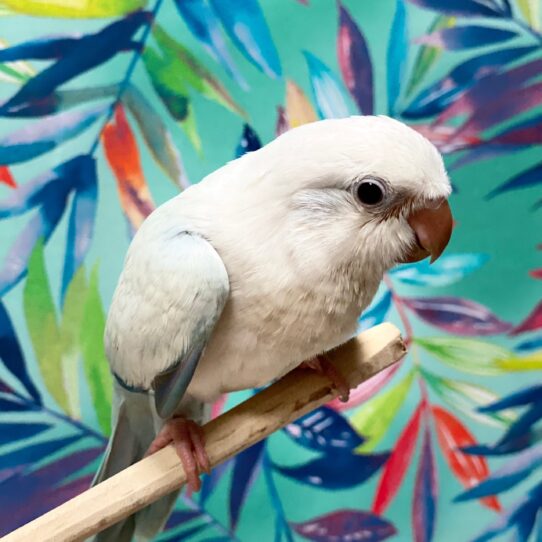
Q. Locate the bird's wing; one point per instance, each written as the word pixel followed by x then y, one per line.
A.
pixel 170 296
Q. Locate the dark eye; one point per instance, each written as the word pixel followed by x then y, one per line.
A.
pixel 370 192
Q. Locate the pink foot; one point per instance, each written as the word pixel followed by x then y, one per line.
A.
pixel 324 366
pixel 189 441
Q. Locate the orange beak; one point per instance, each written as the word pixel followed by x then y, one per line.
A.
pixel 433 229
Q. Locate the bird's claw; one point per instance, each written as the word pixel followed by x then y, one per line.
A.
pixel 324 366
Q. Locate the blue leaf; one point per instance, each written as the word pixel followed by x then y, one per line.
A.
pixel 462 7
pixel 328 95
pixel 249 142
pixel 46 134
pixel 39 49
pixel 12 356
pixel 324 430
pixel 344 471
pixel 444 92
pixel 178 517
pixel 526 179
pixel 526 396
pixel 81 223
pixel 376 313
pixel 210 481
pixel 510 474
pixel 8 404
pixel 246 467
pixel 466 37
pixel 245 24
pixel 530 344
pixel 13 431
pixel 397 55
pixel 89 51
pixel 205 26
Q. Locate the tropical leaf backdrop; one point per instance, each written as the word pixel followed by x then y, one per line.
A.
pixel 110 107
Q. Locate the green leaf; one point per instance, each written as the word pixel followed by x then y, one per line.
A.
pixel 40 314
pixel 466 397
pixel 74 8
pixel 15 72
pixel 94 360
pixel 531 12
pixel 373 419
pixel 427 56
pixel 532 362
pixel 466 355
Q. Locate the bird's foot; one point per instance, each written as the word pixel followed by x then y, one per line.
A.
pixel 189 441
pixel 324 366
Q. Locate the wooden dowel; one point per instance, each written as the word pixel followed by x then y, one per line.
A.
pixel 292 396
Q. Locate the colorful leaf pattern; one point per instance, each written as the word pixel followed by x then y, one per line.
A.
pixel 479 103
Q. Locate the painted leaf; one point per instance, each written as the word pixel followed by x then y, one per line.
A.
pixel 46 48
pixel 374 418
pixel 526 179
pixel 246 26
pixel 122 154
pixel 324 430
pixel 90 51
pixel 12 356
pixel 355 62
pixel 14 72
pixel 187 534
pixel 511 473
pixel 249 141
pixel 536 273
pixel 40 314
pixel 7 404
pixel 467 355
pixel 530 344
pixel 179 517
pixel 532 362
pixel 326 90
pixel 348 471
pixel 84 9
pixel 397 55
pixel 465 37
pixel 466 397
pixel 376 312
pixel 298 108
pixel 534 319
pixel 427 56
pixel 14 431
pixel 246 466
pixel 424 507
pixel 531 11
pixel 452 436
pixel 210 481
pixel 81 221
pixel 95 363
pixel 345 525
pixel 457 315
pixel 156 135
pixel 448 269
pixel 460 7
pixel 398 463
pixel 46 134
pixel 6 177
pixel 205 26
pixel 524 396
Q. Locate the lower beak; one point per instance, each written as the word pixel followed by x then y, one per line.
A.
pixel 433 229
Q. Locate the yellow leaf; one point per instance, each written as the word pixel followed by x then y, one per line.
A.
pixel 531 12
pixel 72 8
pixel 298 108
pixel 532 362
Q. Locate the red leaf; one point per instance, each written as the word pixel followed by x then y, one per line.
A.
pixel 397 465
pixel 536 273
pixel 121 150
pixel 6 177
pixel 533 321
pixel 469 469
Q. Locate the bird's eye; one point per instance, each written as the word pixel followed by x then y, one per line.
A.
pixel 370 192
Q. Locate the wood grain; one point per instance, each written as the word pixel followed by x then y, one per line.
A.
pixel 294 395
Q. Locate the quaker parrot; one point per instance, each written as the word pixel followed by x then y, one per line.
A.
pixel 266 263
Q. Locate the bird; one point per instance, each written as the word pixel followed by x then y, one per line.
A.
pixel 265 264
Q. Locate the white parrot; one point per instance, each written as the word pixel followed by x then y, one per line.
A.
pixel 266 263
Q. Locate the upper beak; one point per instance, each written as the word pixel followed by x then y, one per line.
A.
pixel 433 229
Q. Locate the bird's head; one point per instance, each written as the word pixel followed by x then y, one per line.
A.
pixel 366 188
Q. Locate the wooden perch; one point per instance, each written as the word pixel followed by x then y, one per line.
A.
pixel 296 394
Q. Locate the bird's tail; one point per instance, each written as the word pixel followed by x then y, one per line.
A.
pixel 134 427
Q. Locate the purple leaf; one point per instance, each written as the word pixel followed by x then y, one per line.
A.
pixel 376 312
pixel 465 37
pixel 346 525
pixel 246 467
pixel 324 430
pixel 457 315
pixel 249 141
pixel 526 179
pixel 13 431
pixel 345 471
pixel 245 24
pixel 462 7
pixel 81 223
pixel 425 494
pixel 46 134
pixel 397 55
pixel 45 48
pixel 12 356
pixel 355 62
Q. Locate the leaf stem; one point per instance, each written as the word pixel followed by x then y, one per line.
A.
pixel 129 72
